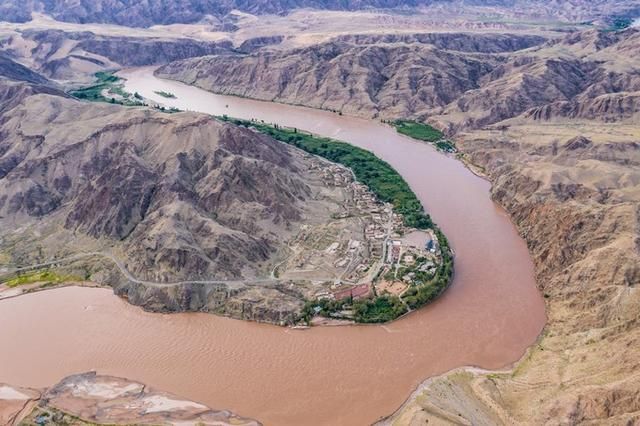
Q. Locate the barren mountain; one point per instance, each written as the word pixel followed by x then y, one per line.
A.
pixel 573 189
pixel 386 76
pixel 178 197
pixel 569 174
pixel 72 55
pixel 461 81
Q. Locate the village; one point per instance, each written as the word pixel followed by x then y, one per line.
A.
pixel 365 251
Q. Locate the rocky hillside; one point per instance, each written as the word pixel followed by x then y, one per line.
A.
pixel 569 175
pixel 137 14
pixel 12 70
pixel 172 198
pixel 458 81
pixel 70 55
pixel 387 76
pixel 572 188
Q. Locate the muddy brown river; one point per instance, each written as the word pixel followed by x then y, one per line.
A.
pixel 322 376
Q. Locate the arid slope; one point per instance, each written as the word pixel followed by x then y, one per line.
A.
pixel 173 197
pixel 370 76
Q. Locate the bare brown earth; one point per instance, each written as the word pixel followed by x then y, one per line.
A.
pixel 89 399
pixel 74 56
pixel 555 128
pixel 175 211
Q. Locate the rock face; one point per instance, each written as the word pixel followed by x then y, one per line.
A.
pixel 11 70
pixel 193 211
pixel 86 399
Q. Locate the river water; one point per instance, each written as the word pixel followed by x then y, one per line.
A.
pixel 325 375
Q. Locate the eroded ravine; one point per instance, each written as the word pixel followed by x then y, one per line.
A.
pixel 346 375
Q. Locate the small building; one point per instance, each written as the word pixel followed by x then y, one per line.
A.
pixel 393 253
pixel 356 292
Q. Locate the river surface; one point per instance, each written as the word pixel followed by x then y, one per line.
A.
pixel 326 375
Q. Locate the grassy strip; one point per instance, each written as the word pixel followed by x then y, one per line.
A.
pixel 47 276
pixel 424 132
pixel 164 94
pixel 111 83
pixel 377 310
pixel 419 131
pixel 378 175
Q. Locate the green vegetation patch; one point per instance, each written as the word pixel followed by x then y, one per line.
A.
pixel 323 307
pixel 164 94
pixel 377 310
pixel 106 77
pixel 420 295
pixel 377 174
pixel 107 82
pixel 424 132
pixel 47 276
pixel 621 23
pixel 381 309
pixel 419 131
pixel 109 88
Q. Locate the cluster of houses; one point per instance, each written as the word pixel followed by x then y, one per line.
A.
pixel 413 260
pixel 382 248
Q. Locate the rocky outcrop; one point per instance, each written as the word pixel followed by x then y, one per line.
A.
pixel 608 107
pixel 88 398
pixel 12 70
pixel 256 43
pixel 461 42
